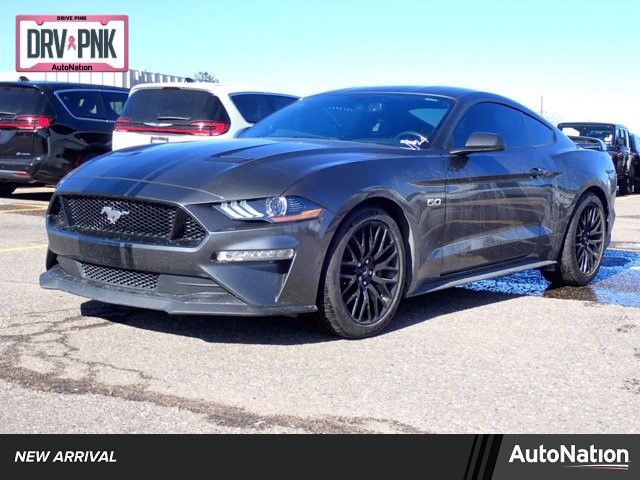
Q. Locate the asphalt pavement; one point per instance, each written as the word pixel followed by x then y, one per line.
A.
pixel 507 355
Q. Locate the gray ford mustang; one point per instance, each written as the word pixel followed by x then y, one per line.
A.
pixel 339 205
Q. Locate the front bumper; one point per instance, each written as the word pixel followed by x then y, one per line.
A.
pixel 216 302
pixel 190 280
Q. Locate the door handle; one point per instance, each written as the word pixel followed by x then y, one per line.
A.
pixel 537 172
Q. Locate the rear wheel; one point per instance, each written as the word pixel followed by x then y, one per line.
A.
pixel 635 179
pixel 583 246
pixel 7 188
pixel 625 184
pixel 364 279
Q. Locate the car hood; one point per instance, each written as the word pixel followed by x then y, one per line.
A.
pixel 225 170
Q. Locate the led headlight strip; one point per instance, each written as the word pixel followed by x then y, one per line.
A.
pixel 240 210
pixel 272 209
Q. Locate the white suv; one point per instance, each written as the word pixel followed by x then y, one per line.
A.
pixel 178 112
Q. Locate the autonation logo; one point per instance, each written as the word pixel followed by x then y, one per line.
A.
pixel 573 457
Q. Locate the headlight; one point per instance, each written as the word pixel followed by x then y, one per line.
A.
pixel 272 209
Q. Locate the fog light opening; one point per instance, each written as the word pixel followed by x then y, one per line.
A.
pixel 228 256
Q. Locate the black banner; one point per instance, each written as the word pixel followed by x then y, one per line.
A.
pixel 464 457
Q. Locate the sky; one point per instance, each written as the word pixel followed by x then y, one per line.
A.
pixel 580 57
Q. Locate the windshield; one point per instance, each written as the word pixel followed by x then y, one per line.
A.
pixel 403 120
pixel 603 132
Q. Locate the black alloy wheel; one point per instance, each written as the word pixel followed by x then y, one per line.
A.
pixel 364 275
pixel 589 239
pixel 583 247
pixel 369 272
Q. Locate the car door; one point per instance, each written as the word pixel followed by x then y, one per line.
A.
pixel 624 150
pixel 495 201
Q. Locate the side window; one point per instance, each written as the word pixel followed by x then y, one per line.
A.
pixel 83 103
pixel 255 106
pixel 622 137
pixel 278 102
pixel 252 106
pixel 539 133
pixel 492 118
pixel 113 104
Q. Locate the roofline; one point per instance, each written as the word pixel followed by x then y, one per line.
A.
pixel 209 87
pixel 47 84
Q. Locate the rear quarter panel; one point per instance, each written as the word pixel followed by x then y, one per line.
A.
pixel 580 170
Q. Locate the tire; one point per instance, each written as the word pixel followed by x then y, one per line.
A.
pixel 364 275
pixel 583 246
pixel 625 185
pixel 7 189
pixel 550 274
pixel 635 179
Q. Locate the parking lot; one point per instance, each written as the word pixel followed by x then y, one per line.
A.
pixel 506 355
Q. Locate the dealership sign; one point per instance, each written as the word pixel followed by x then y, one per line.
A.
pixel 72 43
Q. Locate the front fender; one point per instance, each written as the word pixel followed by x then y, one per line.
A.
pixel 406 185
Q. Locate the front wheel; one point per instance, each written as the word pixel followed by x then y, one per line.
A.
pixel 583 248
pixel 364 279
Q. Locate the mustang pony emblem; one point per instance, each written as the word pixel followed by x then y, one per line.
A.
pixel 415 144
pixel 112 214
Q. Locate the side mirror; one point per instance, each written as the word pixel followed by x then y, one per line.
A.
pixel 481 142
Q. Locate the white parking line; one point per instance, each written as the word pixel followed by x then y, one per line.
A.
pixel 30 209
pixel 20 249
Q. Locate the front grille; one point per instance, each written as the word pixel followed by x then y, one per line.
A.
pixel 128 220
pixel 120 277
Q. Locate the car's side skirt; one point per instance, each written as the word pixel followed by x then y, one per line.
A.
pixel 449 281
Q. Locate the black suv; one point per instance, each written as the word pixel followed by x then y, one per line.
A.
pixel 49 128
pixel 635 162
pixel 616 138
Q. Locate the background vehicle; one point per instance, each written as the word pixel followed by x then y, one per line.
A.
pixel 177 112
pixel 49 128
pixel 590 143
pixel 341 203
pixel 635 161
pixel 616 137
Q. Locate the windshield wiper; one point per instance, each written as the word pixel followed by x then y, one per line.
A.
pixel 8 114
pixel 170 117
